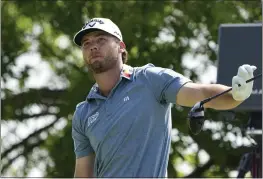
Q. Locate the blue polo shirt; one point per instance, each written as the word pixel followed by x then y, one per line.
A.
pixel 130 129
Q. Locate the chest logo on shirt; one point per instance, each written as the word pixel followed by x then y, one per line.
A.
pixel 93 118
pixel 126 98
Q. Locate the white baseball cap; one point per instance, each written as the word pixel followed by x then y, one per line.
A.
pixel 103 24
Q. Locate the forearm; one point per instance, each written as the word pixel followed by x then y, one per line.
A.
pixel 223 102
pixel 84 167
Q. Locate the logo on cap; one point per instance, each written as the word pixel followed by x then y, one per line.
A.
pixel 92 22
pixel 115 32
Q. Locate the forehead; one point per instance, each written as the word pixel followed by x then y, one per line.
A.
pixel 94 34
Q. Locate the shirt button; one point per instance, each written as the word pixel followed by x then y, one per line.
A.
pixel 107 112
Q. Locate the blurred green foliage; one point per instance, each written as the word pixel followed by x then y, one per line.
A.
pixel 141 23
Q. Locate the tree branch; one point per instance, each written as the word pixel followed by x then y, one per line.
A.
pixel 200 169
pixel 25 152
pixel 24 142
pixel 24 116
pixel 33 95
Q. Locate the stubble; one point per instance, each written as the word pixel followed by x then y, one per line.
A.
pixel 102 66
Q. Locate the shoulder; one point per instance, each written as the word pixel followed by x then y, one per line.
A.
pixel 81 108
pixel 151 71
pixel 141 70
pixel 144 67
pixel 81 105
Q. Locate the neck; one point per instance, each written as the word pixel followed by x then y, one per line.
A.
pixel 108 79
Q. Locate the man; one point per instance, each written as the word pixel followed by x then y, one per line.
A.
pixel 123 128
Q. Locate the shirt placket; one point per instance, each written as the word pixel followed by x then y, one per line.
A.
pixel 109 99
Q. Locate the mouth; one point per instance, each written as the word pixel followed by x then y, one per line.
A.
pixel 95 57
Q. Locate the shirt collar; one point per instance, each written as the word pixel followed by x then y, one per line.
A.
pixel 94 93
pixel 127 72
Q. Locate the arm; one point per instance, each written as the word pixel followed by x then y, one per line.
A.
pixel 191 93
pixel 84 166
pixel 170 86
pixel 84 152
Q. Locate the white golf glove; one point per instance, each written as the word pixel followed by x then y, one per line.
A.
pixel 245 72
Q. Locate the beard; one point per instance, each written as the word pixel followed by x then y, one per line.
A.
pixel 102 66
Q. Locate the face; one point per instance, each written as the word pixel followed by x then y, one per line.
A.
pixel 101 51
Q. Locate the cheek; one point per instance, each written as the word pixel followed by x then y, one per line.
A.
pixel 105 51
pixel 85 52
pixel 113 50
pixel 85 55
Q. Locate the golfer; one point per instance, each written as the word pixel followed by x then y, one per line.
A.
pixel 123 128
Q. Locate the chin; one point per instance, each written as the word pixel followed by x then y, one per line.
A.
pixel 92 61
pixel 103 65
pixel 97 67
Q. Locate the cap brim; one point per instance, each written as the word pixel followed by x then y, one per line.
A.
pixel 78 37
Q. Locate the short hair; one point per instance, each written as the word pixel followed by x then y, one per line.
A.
pixel 124 56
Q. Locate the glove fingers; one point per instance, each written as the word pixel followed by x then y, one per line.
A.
pixel 238 81
pixel 253 67
pixel 250 70
pixel 242 72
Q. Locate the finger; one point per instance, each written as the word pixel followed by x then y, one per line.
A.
pixel 254 67
pixel 242 72
pixel 235 87
pixel 238 81
pixel 249 71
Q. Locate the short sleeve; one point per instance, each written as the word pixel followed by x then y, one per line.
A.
pixel 165 83
pixel 82 146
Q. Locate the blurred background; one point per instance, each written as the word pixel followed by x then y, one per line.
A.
pixel 43 78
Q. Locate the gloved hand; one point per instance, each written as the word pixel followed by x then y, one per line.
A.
pixel 245 72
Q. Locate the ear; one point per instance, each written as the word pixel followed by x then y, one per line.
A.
pixel 122 46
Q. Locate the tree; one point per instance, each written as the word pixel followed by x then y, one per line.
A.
pixel 38 27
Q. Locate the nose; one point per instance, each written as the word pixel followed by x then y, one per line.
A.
pixel 93 47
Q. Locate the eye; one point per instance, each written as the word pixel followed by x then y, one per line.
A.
pixel 86 43
pixel 101 39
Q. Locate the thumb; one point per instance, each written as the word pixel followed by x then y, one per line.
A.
pixel 253 67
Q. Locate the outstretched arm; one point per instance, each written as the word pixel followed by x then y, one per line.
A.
pixel 191 93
